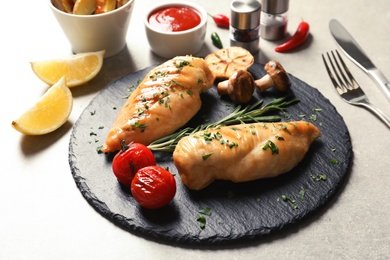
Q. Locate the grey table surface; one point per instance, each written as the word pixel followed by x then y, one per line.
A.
pixel 44 216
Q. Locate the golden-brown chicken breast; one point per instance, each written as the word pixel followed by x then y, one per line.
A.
pixel 166 99
pixel 242 152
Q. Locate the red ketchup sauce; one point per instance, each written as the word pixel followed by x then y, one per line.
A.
pixel 174 19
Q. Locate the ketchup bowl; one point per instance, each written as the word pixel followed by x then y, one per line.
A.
pixel 176 28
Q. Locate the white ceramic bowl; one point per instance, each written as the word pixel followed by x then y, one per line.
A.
pixel 87 33
pixel 171 44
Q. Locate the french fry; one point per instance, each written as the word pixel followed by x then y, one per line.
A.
pixel 84 7
pixel 104 6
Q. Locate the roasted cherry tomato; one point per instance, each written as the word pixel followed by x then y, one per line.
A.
pixel 129 160
pixel 153 187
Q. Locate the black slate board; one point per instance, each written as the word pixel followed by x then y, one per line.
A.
pixel 238 211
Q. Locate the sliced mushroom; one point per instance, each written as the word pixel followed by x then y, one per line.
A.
pixel 276 77
pixel 225 62
pixel 240 87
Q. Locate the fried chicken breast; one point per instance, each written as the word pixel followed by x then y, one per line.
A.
pixel 166 99
pixel 242 152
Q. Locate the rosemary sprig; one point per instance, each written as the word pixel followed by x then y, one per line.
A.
pixel 248 114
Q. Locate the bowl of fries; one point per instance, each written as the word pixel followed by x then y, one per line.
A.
pixel 94 25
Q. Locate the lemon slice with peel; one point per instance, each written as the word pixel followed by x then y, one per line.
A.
pixel 49 113
pixel 77 69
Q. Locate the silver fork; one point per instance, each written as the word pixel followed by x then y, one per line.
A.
pixel 349 89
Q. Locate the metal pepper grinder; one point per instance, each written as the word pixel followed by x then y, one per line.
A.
pixel 245 24
pixel 274 19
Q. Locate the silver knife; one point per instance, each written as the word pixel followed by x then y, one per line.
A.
pixel 355 53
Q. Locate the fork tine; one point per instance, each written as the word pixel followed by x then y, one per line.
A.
pixel 352 82
pixel 345 82
pixel 341 83
pixel 331 76
pixel 329 72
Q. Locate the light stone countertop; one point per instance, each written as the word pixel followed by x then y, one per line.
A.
pixel 44 216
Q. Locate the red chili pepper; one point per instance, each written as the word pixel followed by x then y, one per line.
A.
pixel 297 39
pixel 221 20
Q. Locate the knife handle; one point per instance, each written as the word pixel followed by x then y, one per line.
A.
pixel 381 80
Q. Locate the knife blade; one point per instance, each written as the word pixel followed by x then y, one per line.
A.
pixel 356 54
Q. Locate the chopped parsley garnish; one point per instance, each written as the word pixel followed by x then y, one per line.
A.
pixel 208 137
pixel 202 221
pixel 181 64
pixel 205 211
pixel 140 111
pixel 280 138
pixel 99 149
pixel 231 145
pixel 167 101
pixel 288 199
pixel 270 145
pixel 334 161
pixel 142 126
pixel 320 177
pixel 177 83
pixel 204 157
pixel 301 194
pixel 285 198
pixel 157 75
pixel 313 117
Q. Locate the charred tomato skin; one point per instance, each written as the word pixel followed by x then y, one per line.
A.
pixel 129 160
pixel 153 187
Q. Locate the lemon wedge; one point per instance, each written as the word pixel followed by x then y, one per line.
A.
pixel 49 113
pixel 78 69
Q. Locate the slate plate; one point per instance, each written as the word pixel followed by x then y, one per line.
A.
pixel 238 211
